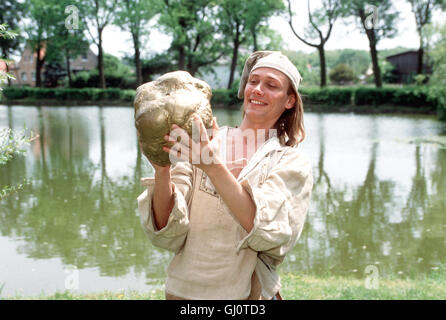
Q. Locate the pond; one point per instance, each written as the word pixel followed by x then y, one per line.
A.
pixel 378 199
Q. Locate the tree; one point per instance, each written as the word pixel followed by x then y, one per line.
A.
pixel 65 42
pixel 196 42
pixel 438 81
pixel 98 13
pixel 377 25
pixel 11 142
pixel 242 20
pixel 422 10
pixel 49 37
pixel 134 16
pixel 10 13
pixel 158 64
pixel 72 43
pixel 117 75
pixel 6 35
pixel 42 16
pixel 259 12
pixel 325 16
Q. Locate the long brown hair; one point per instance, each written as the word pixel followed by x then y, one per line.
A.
pixel 291 122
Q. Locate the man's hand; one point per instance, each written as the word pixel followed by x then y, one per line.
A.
pixel 200 149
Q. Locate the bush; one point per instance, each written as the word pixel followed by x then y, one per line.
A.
pixel 438 95
pixel 117 75
pixel 226 97
pixel 414 97
pixel 84 94
pixel 423 98
pixel 417 97
pixel 373 96
pixel 329 96
pixel 16 93
pixel 90 79
pixel 341 74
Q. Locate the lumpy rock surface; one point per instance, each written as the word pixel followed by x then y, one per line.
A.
pixel 173 98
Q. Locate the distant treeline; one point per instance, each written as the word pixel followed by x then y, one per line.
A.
pixel 363 99
pixel 204 33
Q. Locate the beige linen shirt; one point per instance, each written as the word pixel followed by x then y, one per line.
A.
pixel 215 257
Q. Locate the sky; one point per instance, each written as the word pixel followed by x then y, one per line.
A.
pixel 344 35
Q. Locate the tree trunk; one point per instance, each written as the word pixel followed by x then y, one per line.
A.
pixel 234 58
pixel 374 55
pixel 420 60
pixel 192 70
pixel 137 60
pixel 373 51
pixel 39 64
pixel 254 38
pixel 323 64
pixel 67 59
pixel 7 70
pixel 181 58
pixel 5 56
pixel 101 61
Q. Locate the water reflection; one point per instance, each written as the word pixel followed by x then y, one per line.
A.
pixel 374 222
pixel 377 198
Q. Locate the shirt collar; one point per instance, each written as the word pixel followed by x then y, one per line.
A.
pixel 267 147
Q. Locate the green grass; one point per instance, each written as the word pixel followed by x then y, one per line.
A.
pixel 105 295
pixel 340 288
pixel 303 287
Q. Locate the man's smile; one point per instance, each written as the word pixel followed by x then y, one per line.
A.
pixel 254 101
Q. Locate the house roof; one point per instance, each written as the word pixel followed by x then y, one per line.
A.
pixel 402 54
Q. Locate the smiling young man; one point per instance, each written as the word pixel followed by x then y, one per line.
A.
pixel 232 220
pixel 266 98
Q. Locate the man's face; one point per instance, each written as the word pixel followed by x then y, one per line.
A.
pixel 265 95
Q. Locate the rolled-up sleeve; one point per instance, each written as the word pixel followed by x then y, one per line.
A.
pixel 282 202
pixel 172 236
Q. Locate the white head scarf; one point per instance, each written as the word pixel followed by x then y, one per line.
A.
pixel 269 59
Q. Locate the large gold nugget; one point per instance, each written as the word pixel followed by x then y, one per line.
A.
pixel 173 98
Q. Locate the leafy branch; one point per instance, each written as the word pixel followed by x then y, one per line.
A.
pixel 13 143
pixel 7 34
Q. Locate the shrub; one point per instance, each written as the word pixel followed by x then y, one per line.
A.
pixel 373 96
pixel 413 97
pixel 15 93
pixel 341 74
pixel 84 94
pixel 438 95
pixel 329 96
pixel 226 97
pixel 90 79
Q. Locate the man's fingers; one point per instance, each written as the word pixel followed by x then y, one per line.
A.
pixel 178 152
pixel 201 128
pixel 215 128
pixel 179 135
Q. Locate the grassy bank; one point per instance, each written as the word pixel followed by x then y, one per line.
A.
pixel 305 287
